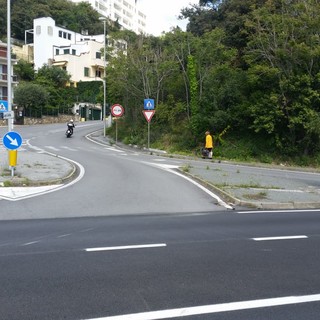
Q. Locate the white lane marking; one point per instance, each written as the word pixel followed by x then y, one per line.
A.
pixel 279 238
pixel 68 148
pixel 114 149
pixel 51 148
pixel 280 211
pixel 215 308
pixel 29 243
pixel 64 235
pixel 169 168
pixel 37 191
pixel 142 246
pixel 17 193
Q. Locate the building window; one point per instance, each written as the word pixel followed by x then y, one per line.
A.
pixel 57 52
pixel 73 52
pixel 69 36
pixel 66 51
pixel 50 31
pixel 98 55
pixel 86 72
pixel 60 33
pixel 38 30
pixel 4 93
pixel 98 73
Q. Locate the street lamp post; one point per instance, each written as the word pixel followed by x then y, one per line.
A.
pixel 104 80
pixel 9 89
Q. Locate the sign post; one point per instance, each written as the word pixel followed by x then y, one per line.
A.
pixel 148 114
pixel 117 111
pixel 12 141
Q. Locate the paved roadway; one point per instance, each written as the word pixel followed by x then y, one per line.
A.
pixel 139 242
pixel 114 182
pixel 162 267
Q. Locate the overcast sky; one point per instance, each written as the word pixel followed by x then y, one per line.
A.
pixel 162 14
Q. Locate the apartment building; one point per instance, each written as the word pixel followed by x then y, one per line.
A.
pixel 125 12
pixel 79 55
pixel 4 72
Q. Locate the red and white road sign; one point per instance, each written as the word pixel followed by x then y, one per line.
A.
pixel 148 114
pixel 117 110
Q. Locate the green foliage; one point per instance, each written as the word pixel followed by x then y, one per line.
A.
pixel 247 70
pixel 24 71
pixel 30 96
pixel 90 91
pixel 73 16
pixel 53 76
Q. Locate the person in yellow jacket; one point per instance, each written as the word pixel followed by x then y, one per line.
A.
pixel 209 144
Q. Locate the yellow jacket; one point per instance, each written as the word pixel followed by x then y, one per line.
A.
pixel 209 141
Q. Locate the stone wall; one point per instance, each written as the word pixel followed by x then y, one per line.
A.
pixel 61 118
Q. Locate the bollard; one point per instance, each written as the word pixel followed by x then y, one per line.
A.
pixel 13 155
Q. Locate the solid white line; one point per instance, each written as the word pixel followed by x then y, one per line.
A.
pixel 280 238
pixel 169 167
pixel 114 149
pixel 281 211
pixel 142 246
pixel 215 308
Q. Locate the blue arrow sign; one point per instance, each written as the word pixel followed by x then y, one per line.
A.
pixel 12 140
pixel 3 105
pixel 148 104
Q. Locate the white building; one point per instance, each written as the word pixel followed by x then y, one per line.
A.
pixel 125 12
pixel 79 55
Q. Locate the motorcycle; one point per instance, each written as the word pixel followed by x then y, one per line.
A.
pixel 69 132
pixel 70 126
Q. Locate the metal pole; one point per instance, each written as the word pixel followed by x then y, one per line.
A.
pixel 105 80
pixel 9 98
pixel 116 131
pixel 148 135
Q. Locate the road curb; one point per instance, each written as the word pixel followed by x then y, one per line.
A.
pixel 233 201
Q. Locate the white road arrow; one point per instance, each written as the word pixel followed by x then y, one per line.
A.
pixel 14 142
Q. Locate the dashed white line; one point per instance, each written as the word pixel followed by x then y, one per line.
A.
pixel 30 243
pixel 51 148
pixel 280 238
pixel 64 235
pixel 215 308
pixel 141 246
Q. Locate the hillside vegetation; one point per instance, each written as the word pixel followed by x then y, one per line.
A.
pixel 247 70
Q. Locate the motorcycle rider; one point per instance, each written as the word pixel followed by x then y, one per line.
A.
pixel 70 125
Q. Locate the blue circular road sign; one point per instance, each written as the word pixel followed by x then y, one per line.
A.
pixel 12 140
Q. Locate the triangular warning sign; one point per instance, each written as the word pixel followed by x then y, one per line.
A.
pixel 148 114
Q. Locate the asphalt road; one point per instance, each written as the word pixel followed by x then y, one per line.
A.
pixel 113 183
pixel 131 240
pixel 87 268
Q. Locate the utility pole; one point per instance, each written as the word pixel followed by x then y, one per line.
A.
pixel 105 79
pixel 9 80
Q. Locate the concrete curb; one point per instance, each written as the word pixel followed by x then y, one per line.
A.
pixel 233 201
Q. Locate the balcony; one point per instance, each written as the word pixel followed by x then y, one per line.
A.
pixel 4 78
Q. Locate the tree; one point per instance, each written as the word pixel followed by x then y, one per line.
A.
pixel 24 71
pixel 283 55
pixel 32 97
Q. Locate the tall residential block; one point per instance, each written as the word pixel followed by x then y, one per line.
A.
pixel 126 12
